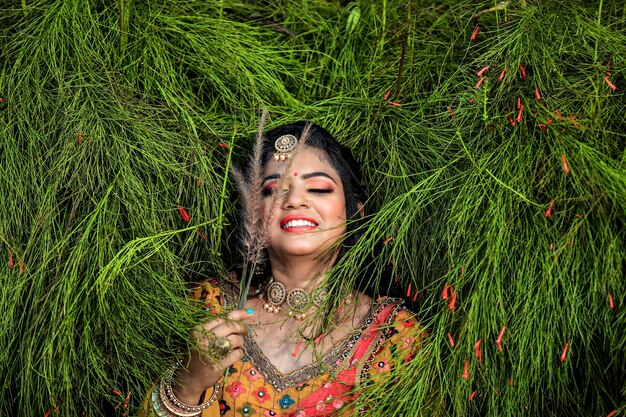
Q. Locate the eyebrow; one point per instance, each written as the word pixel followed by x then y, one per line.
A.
pixel 304 176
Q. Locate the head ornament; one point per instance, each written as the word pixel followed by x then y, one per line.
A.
pixel 284 145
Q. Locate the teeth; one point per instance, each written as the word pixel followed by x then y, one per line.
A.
pixel 298 223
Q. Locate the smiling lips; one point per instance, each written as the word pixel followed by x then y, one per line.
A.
pixel 297 224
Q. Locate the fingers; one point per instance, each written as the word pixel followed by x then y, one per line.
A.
pixel 232 322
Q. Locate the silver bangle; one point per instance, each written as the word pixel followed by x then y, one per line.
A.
pixel 156 404
pixel 171 407
pixel 167 385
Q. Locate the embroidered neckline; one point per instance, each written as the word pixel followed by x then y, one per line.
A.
pixel 331 361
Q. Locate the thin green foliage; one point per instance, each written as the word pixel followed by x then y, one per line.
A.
pixel 112 119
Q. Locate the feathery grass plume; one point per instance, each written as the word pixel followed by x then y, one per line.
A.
pixel 254 232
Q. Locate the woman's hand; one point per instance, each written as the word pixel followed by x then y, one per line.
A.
pixel 201 373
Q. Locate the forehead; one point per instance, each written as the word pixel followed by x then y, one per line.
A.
pixel 307 159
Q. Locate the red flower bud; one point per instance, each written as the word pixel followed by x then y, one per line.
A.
pixel 610 84
pixel 537 95
pixel 499 339
pixel 451 340
pixel 522 70
pixel 564 353
pixel 465 371
pixel 501 77
pixel 565 166
pixel 475 33
pixel 482 71
pixel 183 214
pixel 549 210
pixel 479 353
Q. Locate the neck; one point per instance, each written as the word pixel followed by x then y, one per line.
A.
pixel 298 273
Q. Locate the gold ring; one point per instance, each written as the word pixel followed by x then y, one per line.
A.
pixel 218 347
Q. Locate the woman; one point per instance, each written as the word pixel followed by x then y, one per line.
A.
pixel 294 349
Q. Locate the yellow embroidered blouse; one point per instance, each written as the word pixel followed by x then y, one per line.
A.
pixel 389 336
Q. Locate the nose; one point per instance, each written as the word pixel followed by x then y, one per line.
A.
pixel 294 196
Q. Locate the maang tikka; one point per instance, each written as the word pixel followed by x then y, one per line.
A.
pixel 284 145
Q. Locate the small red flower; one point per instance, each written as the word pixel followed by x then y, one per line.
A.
pixel 511 121
pixel 415 296
pixel 564 353
pixel 475 33
pixel 501 77
pixel 472 100
pixel 611 305
pixel 451 340
pixel 80 137
pixel 19 262
pixel 610 84
pixel 408 291
pixel 11 262
pixel 480 82
pixel 394 104
pixel 519 114
pixel 612 413
pixel 318 338
pixel 519 102
pixel 224 145
pixel 387 94
pixel 549 210
pixel 551 247
pixel 1 99
pixel 465 370
pixel 201 235
pixel 565 166
pixel 452 303
pixel 537 95
pixel 522 70
pixel 183 214
pixel 446 291
pixel 479 353
pixel 482 71
pixel 472 395
pixel 499 339
pixel 450 112
pixel 389 239
pixel 511 382
pixel 199 182
pixel 573 119
pixel 558 115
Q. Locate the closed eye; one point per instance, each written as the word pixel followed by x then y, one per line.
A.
pixel 321 190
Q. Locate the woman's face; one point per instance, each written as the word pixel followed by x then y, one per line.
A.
pixel 306 206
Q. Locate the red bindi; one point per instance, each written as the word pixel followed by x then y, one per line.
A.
pixel 295 174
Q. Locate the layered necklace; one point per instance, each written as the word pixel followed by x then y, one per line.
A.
pixel 298 300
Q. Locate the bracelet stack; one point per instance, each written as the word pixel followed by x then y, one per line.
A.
pixel 165 403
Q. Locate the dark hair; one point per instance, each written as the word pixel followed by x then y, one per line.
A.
pixel 340 159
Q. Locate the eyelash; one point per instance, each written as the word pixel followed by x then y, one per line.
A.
pixel 266 192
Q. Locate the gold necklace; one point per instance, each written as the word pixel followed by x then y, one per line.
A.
pixel 298 300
